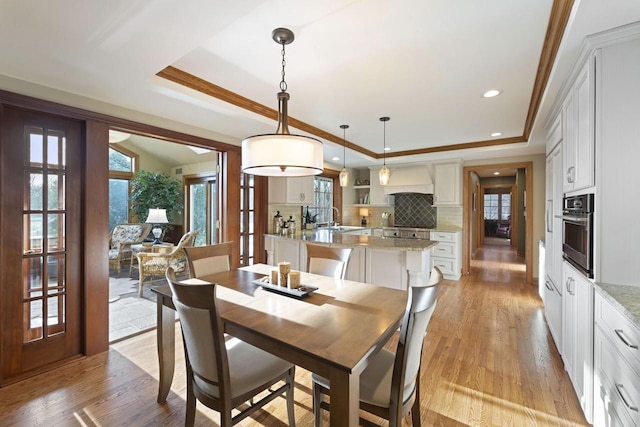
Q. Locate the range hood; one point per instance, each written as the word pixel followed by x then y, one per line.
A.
pixel 410 179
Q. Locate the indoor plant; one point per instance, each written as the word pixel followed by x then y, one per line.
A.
pixel 151 190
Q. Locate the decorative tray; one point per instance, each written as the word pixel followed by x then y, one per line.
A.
pixel 301 292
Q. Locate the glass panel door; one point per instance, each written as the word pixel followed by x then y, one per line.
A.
pixel 202 209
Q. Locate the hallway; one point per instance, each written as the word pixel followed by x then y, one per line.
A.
pixel 498 261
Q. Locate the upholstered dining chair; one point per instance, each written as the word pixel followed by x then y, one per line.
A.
pixel 156 263
pixel 209 259
pixel 327 260
pixel 224 374
pixel 389 385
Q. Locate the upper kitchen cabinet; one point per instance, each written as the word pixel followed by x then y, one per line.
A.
pixel 448 184
pixel 291 191
pixel 578 145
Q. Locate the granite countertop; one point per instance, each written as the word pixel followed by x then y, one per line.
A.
pixel 333 238
pixel 624 297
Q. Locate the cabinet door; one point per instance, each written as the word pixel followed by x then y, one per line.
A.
pixel 306 189
pixel 288 250
pixel 447 184
pixel 386 268
pixel 553 312
pixel 294 190
pixel 568 315
pixel 355 268
pixel 584 149
pixel 583 378
pixel 569 145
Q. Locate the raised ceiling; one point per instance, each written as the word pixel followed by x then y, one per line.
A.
pixel 424 63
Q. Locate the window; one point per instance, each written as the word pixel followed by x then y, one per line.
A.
pixel 122 165
pixel 323 197
pixel 497 206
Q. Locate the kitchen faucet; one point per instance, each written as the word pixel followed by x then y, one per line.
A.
pixel 335 223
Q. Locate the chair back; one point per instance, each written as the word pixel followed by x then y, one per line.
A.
pixel 209 259
pixel 128 233
pixel 328 261
pixel 420 306
pixel 202 331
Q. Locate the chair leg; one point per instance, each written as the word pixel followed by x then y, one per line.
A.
pixel 415 409
pixel 317 401
pixel 190 416
pixel 140 284
pixel 291 403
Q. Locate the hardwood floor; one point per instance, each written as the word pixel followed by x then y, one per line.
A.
pixel 488 360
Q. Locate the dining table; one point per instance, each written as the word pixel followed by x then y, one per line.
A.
pixel 332 331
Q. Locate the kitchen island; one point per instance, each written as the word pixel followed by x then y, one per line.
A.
pixel 391 262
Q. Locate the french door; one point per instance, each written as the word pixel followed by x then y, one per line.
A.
pixel 40 249
pixel 202 208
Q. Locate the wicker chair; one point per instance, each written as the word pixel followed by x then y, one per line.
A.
pixel 156 263
pixel 120 240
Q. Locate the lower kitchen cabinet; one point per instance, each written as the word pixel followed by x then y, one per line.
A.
pixel 616 367
pixel 447 255
pixel 577 335
pixel 386 268
pixel 289 250
pixel 355 268
pixel 553 311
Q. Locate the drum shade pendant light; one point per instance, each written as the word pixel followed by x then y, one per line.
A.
pixel 282 153
pixel 344 175
pixel 385 173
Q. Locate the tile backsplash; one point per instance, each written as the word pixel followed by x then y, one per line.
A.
pixel 415 210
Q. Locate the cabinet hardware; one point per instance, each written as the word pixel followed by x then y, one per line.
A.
pixel 548 285
pixel 619 389
pixel 626 342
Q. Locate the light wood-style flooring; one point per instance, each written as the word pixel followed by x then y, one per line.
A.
pixel 488 360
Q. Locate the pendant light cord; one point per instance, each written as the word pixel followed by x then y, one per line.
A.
pixel 283 84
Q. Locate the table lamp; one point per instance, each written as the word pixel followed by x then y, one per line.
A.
pixel 365 213
pixel 157 217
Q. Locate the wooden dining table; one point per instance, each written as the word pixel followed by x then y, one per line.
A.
pixel 333 331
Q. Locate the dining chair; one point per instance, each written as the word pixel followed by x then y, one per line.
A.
pixel 224 374
pixel 209 259
pixel 327 260
pixel 390 384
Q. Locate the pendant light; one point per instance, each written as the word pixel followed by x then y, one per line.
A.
pixel 344 175
pixel 385 173
pixel 282 153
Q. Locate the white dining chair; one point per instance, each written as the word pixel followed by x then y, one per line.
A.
pixel 327 260
pixel 390 384
pixel 224 374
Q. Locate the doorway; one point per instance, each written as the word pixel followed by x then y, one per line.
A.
pixel 512 220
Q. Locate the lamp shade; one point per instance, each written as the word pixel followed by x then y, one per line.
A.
pixel 384 175
pixel 157 216
pixel 364 212
pixel 282 155
pixel 344 178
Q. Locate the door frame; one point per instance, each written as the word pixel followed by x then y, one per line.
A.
pixel 467 213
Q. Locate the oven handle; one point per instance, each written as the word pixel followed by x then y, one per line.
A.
pixel 573 218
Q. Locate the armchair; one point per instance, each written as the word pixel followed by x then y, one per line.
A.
pixel 156 263
pixel 120 240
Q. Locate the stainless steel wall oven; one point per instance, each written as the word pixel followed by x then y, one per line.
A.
pixel 577 232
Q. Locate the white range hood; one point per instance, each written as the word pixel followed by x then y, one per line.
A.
pixel 410 179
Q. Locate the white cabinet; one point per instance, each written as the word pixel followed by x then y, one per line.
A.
pixel 617 367
pixel 447 254
pixel 294 191
pixel 577 336
pixel 553 311
pixel 386 268
pixel 355 268
pixel 288 250
pixel 553 224
pixel 448 184
pixel 579 149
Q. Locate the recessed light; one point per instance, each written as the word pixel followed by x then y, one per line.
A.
pixel 335 159
pixel 491 93
pixel 496 173
pixel 387 149
pixel 496 134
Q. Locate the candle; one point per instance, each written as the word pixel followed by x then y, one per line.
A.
pixel 284 268
pixel 274 276
pixel 294 280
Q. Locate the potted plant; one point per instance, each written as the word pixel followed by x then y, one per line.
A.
pixel 150 190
